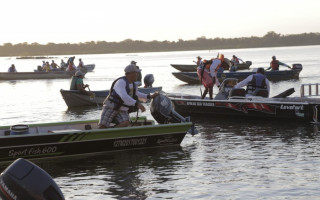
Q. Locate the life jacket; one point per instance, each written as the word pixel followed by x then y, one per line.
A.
pixel 258 82
pixel 73 85
pixel 235 61
pixel 116 99
pixel 206 64
pixel 275 64
pixel 11 69
pixel 71 67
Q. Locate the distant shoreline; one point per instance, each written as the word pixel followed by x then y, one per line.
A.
pixel 271 39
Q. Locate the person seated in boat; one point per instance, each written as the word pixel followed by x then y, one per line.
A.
pixel 12 69
pixel 63 65
pixel 77 83
pixel 43 65
pixel 71 67
pixel 81 66
pixel 274 64
pixel 255 82
pixel 122 99
pixel 235 60
pixel 48 67
pixel 139 78
pixel 206 80
pixel 54 66
pixel 233 68
pixel 199 60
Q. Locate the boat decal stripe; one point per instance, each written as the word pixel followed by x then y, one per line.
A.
pixel 67 138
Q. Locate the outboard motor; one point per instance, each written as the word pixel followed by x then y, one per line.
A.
pixel 249 63
pixel 148 80
pixel 25 180
pixel 162 111
pixel 297 66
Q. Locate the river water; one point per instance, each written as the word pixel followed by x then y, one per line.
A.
pixel 228 159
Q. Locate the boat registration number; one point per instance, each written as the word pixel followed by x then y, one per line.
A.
pixel 197 103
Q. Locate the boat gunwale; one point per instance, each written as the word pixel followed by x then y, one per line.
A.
pixel 102 131
pixel 237 101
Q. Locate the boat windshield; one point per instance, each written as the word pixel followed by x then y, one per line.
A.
pixel 228 84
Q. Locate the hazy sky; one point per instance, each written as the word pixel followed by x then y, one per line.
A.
pixel 74 21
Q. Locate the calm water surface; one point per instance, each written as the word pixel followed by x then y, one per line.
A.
pixel 228 159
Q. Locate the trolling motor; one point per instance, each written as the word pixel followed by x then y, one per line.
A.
pixel 25 180
pixel 163 112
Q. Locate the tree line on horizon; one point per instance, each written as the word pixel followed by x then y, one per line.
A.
pixel 271 39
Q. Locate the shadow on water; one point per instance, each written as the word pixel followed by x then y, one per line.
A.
pixel 271 128
pixel 120 174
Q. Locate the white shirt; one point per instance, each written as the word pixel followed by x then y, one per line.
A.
pixel 213 67
pixel 120 89
pixel 248 79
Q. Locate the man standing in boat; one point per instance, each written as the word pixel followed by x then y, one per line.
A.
pixel 214 68
pixel 206 80
pixel 199 61
pixel 123 99
pixel 274 64
pixel 255 82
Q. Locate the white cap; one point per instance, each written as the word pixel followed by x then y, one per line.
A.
pixel 131 68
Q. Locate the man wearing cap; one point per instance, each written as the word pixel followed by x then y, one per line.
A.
pixel 255 82
pixel 77 83
pixel 139 78
pixel 199 61
pixel 123 99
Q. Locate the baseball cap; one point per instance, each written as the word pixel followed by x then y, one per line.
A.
pixel 131 68
pixel 133 62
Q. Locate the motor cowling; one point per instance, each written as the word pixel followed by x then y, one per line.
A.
pixel 297 66
pixel 25 180
pixel 148 80
pixel 162 111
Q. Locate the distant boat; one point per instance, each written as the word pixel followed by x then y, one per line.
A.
pixel 193 67
pixel 34 75
pixel 35 57
pixel 192 77
pixel 74 98
pixel 90 67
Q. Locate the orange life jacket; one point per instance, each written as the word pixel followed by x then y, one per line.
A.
pixel 275 65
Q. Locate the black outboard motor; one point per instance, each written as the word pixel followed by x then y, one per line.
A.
pixel 249 63
pixel 148 80
pixel 162 111
pixel 25 180
pixel 297 66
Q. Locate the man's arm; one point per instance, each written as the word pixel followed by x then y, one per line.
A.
pixel 244 82
pixel 283 64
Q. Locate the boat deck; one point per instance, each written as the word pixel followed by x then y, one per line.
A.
pixel 63 128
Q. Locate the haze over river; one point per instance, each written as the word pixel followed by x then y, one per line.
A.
pixel 229 158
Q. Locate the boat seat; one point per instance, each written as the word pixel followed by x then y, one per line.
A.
pixel 261 93
pixel 239 92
